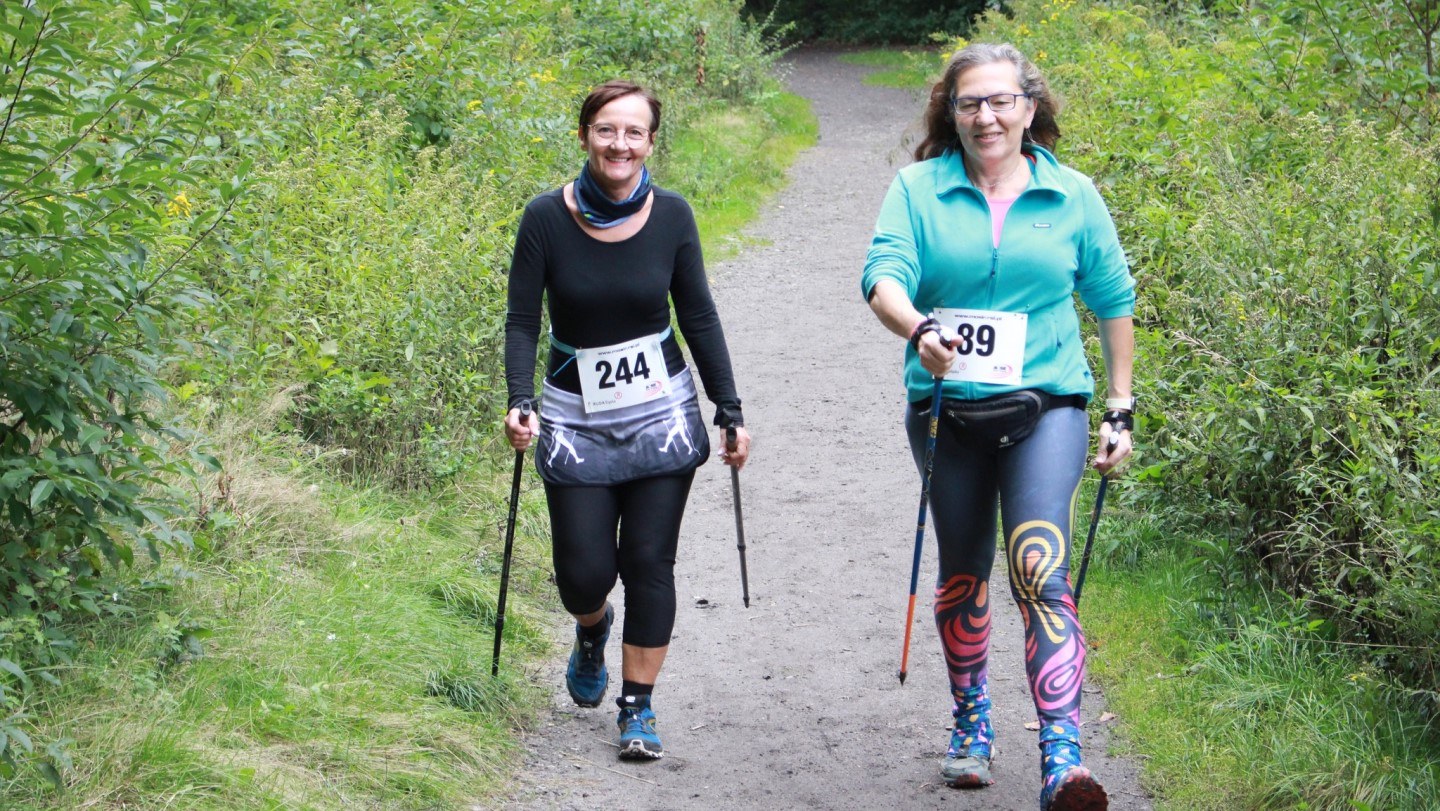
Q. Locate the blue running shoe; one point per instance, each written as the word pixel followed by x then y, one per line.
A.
pixel 1067 785
pixel 586 677
pixel 967 759
pixel 636 720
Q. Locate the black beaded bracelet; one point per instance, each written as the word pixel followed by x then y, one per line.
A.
pixel 1119 421
pixel 928 325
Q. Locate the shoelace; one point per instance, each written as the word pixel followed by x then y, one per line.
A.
pixel 633 716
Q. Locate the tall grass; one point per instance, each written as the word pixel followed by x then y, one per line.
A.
pixel 345 658
pixel 1269 712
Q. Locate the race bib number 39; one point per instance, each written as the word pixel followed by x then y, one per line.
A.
pixel 990 344
pixel 621 375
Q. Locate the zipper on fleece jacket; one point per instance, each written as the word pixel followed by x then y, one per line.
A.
pixel 994 274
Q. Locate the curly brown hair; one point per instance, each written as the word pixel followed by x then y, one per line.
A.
pixel 941 135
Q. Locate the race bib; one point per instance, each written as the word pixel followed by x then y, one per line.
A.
pixel 990 344
pixel 622 375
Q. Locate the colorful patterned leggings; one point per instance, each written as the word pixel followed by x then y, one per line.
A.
pixel 1035 483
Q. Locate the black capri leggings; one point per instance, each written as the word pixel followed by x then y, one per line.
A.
pixel 629 530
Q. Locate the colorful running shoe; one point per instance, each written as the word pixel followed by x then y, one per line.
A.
pixel 967 760
pixel 636 720
pixel 1067 785
pixel 586 677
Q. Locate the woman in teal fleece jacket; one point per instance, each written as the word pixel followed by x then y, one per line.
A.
pixel 978 251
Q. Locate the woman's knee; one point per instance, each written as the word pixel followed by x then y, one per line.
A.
pixel 583 589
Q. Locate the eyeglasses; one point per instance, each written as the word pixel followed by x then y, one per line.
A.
pixel 605 134
pixel 998 103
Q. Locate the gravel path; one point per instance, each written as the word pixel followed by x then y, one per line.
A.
pixel 794 703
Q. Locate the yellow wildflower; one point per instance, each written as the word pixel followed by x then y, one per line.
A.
pixel 475 105
pixel 180 206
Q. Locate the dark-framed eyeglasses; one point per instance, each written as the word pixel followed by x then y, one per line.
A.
pixel 605 134
pixel 997 102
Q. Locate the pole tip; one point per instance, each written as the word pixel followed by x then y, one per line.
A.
pixel 747 602
pixel 902 678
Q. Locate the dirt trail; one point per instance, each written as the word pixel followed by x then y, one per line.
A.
pixel 794 703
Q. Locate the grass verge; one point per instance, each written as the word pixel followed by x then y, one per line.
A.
pixel 729 160
pixel 345 659
pixel 902 69
pixel 1244 702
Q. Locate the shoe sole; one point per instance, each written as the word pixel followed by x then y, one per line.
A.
pixel 636 751
pixel 590 704
pixel 969 781
pixel 581 701
pixel 1080 794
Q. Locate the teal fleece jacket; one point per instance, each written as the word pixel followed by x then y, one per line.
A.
pixel 934 238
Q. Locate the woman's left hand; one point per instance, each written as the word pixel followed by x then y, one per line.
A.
pixel 1110 455
pixel 737 457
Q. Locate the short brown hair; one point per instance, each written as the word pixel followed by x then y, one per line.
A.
pixel 614 89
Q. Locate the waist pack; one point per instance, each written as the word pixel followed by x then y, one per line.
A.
pixel 1004 420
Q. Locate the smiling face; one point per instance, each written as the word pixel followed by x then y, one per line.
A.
pixel 989 136
pixel 616 166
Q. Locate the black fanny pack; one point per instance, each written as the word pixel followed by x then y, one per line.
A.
pixel 1003 420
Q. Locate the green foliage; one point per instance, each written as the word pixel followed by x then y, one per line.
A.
pixel 870 21
pixel 397 151
pixel 107 186
pixel 1281 224
pixel 1329 56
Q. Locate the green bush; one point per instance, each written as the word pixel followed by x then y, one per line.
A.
pixel 393 160
pixel 104 195
pixel 1277 196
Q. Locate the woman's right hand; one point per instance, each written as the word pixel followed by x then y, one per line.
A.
pixel 521 431
pixel 936 354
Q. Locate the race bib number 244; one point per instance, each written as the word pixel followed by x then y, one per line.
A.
pixel 623 374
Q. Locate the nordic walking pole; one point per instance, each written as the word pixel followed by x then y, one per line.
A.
pixel 920 525
pixel 1094 521
pixel 730 444
pixel 525 411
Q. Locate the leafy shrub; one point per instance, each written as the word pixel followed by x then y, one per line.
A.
pixel 1282 222
pixel 104 194
pixel 369 263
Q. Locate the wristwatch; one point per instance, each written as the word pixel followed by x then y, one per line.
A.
pixel 1120 404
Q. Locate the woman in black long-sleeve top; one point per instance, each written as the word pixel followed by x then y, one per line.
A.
pixel 619 429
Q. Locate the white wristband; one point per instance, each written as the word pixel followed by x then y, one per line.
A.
pixel 1120 403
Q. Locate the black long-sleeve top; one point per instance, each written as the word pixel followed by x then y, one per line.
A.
pixel 603 293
